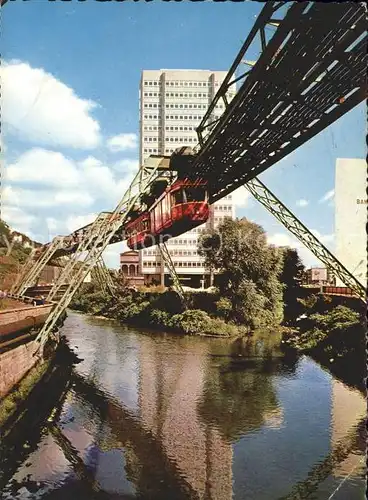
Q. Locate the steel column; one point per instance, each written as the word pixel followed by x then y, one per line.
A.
pixel 298 229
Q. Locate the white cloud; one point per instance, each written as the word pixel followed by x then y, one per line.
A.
pixel 75 222
pixel 328 196
pixel 17 219
pixel 281 240
pixel 240 197
pixel 323 238
pixel 52 224
pixel 302 203
pixel 67 181
pixel 27 198
pixel 126 166
pixel 54 190
pixel 41 108
pixel 122 142
pixel 43 167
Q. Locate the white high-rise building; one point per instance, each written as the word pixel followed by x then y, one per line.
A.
pixel 172 105
pixel 351 216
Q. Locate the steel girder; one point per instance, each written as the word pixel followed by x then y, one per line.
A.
pixel 104 277
pixel 99 237
pixel 165 255
pixel 310 73
pixel 277 110
pixel 75 261
pixel 31 277
pixel 298 229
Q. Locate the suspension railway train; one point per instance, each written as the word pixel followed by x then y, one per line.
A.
pixel 181 207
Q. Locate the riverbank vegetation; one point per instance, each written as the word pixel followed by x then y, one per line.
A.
pixel 258 286
pixel 158 310
pixel 334 334
pixel 248 273
pixel 248 295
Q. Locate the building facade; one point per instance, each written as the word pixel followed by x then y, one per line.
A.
pixel 351 216
pixel 131 268
pixel 172 105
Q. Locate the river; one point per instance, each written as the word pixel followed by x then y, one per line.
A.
pixel 159 416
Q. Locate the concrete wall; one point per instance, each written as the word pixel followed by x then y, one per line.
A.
pixel 351 216
pixel 15 320
pixel 14 364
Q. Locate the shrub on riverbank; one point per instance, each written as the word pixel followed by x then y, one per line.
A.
pixel 337 333
pixel 155 310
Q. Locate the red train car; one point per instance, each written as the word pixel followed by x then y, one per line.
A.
pixel 181 207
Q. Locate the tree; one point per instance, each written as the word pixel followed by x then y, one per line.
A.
pixel 291 276
pixel 248 270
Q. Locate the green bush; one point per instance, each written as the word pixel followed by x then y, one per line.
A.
pixel 192 321
pixel 159 318
pixel 224 307
pixel 136 311
pixel 219 327
pixel 167 301
pixel 197 322
pixel 338 330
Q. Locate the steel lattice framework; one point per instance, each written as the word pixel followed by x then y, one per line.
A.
pixel 165 255
pixel 31 273
pixel 298 229
pixel 98 237
pixel 104 277
pixel 310 72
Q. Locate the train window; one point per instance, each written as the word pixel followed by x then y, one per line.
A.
pixel 197 193
pixel 145 225
pixel 178 197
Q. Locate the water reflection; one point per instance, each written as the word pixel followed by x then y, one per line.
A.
pixel 165 417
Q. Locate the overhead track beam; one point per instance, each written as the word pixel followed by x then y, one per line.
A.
pixel 310 73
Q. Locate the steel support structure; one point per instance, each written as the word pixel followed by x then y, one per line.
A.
pixel 31 277
pixel 104 277
pixel 298 229
pixel 99 236
pixel 309 73
pixel 264 20
pixel 165 255
pixel 76 260
pixel 97 276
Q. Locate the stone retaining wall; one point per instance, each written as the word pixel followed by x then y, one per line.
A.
pixel 15 363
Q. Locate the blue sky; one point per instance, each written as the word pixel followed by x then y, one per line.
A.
pixel 72 72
